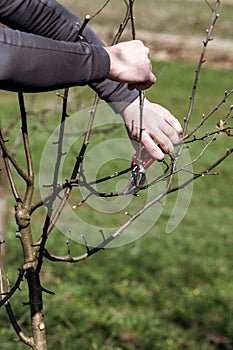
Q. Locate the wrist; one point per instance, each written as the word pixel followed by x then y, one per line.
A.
pixel 113 62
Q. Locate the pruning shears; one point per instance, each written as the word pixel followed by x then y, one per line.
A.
pixel 138 174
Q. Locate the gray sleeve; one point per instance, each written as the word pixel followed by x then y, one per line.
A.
pixel 51 20
pixel 31 63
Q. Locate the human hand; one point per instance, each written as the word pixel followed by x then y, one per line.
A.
pixel 130 63
pixel 159 126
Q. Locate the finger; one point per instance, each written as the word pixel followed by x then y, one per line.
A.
pixel 141 86
pixel 154 150
pixel 147 81
pixel 170 132
pixel 163 140
pixel 170 119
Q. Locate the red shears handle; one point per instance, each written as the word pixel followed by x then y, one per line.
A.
pixel 145 162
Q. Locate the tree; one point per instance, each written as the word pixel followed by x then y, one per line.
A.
pixel 175 174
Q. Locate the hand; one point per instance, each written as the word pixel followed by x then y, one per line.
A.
pixel 130 63
pixel 158 125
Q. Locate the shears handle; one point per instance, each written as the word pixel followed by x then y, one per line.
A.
pixel 145 162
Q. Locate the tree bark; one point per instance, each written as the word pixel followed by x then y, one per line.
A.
pixel 24 233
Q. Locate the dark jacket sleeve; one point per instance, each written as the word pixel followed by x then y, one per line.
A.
pixel 31 63
pixel 55 56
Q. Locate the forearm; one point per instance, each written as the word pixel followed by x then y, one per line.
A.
pixel 46 18
pixel 32 63
pixel 50 19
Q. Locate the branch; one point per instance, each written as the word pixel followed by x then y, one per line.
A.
pixel 22 337
pixel 74 174
pixel 50 204
pixel 30 175
pixel 5 301
pixel 13 289
pixel 204 172
pixel 100 9
pixel 10 176
pixel 7 153
pixel 206 117
pixel 167 191
pixel 201 61
pixel 65 258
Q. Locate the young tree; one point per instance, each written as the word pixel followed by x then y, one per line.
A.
pixel 175 174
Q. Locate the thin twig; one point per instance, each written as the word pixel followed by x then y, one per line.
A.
pixel 200 63
pixel 74 174
pixel 30 175
pixel 11 178
pixel 100 9
pixel 207 116
pixel 8 154
pixel 204 172
pixel 14 288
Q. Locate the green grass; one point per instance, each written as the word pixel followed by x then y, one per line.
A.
pixel 162 292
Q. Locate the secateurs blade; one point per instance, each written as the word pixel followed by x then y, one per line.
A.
pixel 138 175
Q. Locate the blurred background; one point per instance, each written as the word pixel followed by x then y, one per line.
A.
pixel 172 30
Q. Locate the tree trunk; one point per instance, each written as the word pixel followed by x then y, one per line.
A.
pixel 24 233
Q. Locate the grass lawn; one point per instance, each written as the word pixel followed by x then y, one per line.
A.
pixel 163 291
